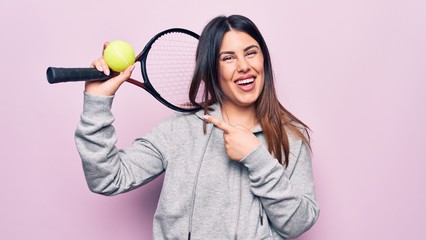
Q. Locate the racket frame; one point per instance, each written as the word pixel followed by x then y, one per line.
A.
pixel 142 57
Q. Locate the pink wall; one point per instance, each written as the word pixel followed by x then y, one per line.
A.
pixel 352 70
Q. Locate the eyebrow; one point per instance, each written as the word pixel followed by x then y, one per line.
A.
pixel 245 49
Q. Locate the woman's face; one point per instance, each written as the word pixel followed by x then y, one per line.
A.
pixel 241 74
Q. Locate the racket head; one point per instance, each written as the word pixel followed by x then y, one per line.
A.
pixel 167 68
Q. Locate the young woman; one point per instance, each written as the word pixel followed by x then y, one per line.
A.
pixel 238 169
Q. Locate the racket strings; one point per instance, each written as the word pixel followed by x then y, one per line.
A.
pixel 170 66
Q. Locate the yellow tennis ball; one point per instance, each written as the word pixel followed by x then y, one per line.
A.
pixel 119 55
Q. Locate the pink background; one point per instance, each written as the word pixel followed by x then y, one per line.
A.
pixel 354 71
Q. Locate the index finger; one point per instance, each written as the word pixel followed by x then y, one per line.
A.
pixel 225 127
pixel 105 45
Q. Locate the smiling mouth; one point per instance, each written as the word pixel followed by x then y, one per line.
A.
pixel 245 81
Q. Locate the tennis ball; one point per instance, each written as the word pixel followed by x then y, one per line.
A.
pixel 119 55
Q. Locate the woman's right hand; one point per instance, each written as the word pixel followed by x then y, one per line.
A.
pixel 109 87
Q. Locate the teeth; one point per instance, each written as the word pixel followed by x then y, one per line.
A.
pixel 245 81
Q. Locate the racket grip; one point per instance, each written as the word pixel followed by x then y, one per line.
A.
pixel 57 75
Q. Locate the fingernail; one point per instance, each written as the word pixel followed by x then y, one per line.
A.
pixel 206 117
pixel 107 72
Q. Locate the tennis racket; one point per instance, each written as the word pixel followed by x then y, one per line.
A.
pixel 167 66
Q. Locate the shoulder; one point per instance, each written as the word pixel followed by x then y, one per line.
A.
pixel 296 132
pixel 178 118
pixel 299 149
pixel 179 123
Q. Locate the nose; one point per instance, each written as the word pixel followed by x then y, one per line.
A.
pixel 243 65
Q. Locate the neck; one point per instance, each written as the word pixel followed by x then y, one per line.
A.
pixel 239 115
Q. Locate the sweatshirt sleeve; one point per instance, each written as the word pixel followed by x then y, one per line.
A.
pixel 109 170
pixel 287 195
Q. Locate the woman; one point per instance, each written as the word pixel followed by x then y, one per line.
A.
pixel 238 169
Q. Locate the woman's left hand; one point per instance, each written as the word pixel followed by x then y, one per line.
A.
pixel 239 141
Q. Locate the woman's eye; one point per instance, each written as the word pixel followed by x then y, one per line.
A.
pixel 227 58
pixel 251 53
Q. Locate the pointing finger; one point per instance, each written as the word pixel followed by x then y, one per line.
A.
pixel 225 127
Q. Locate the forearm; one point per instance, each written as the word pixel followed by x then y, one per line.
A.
pixel 290 205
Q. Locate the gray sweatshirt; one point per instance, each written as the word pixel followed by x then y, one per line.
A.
pixel 205 195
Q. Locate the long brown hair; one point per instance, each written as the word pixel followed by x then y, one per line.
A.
pixel 275 120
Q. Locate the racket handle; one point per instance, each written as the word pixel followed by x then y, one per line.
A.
pixel 57 75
